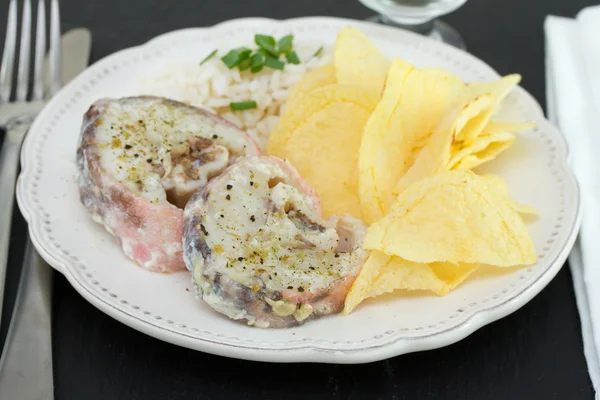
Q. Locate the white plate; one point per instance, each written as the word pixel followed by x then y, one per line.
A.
pixel 164 306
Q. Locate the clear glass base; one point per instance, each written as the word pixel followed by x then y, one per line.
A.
pixel 435 29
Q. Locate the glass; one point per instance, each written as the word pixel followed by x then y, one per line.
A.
pixel 419 16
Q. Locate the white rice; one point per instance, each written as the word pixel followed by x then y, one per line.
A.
pixel 213 86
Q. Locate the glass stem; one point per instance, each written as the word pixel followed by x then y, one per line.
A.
pixel 425 28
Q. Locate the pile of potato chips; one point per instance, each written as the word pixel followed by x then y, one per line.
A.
pixel 393 144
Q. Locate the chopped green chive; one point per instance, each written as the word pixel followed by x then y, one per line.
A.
pixel 265 53
pixel 268 53
pixel 274 63
pixel 208 57
pixel 230 59
pixel 292 57
pixel 236 56
pixel 269 40
pixel 318 52
pixel 267 43
pixel 285 44
pixel 242 105
pixel 258 62
pixel 245 54
pixel 244 65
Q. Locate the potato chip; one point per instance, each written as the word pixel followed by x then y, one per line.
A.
pixel 496 138
pixel 485 148
pixel 382 154
pixel 323 143
pixel 361 287
pixel 473 119
pixel 411 106
pixel 499 89
pixel 318 77
pixel 453 217
pixel 443 152
pixel 500 185
pixel 315 79
pixel 486 98
pixel 497 183
pixel 431 159
pixel 385 274
pixel 358 61
pixel 430 95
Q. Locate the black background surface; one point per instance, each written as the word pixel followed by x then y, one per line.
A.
pixel 534 353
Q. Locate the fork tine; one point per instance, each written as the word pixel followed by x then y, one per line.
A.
pixel 8 57
pixel 40 49
pixel 55 80
pixel 24 52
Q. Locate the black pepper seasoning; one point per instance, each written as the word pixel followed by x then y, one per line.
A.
pixel 203 229
pixel 228 197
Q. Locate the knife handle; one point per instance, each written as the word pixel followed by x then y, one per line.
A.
pixel 26 362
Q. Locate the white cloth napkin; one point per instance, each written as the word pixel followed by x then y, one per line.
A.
pixel 573 96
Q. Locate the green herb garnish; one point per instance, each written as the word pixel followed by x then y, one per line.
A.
pixel 292 57
pixel 274 63
pixel 245 64
pixel 267 43
pixel 231 59
pixel 268 54
pixel 245 54
pixel 208 57
pixel 258 62
pixel 318 52
pixel 285 44
pixel 236 56
pixel 243 105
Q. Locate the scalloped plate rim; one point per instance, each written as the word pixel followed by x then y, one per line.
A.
pixel 309 352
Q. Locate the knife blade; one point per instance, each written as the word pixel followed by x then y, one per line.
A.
pixel 76 45
pixel 26 361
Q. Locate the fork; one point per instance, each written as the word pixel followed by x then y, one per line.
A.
pixel 16 116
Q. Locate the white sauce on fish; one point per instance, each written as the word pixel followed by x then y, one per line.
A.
pixel 252 234
pixel 143 147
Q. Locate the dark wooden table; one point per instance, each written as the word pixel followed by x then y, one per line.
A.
pixel 534 353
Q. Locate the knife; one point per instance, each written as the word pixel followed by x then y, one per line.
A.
pixel 26 362
pixel 76 45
